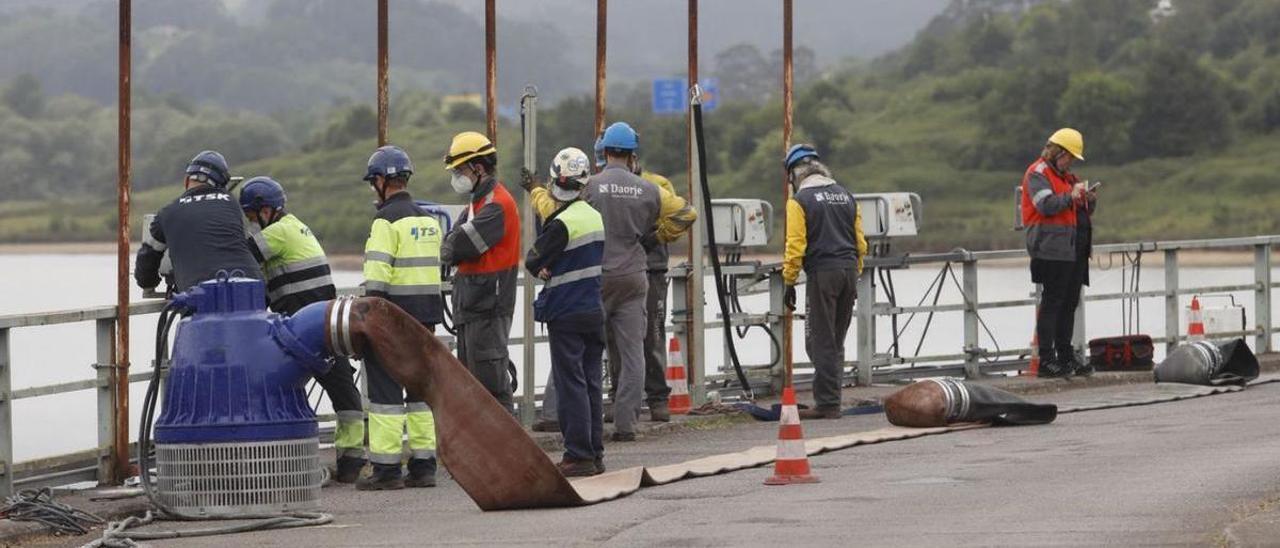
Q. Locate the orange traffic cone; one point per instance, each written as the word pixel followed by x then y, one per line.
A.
pixel 678 402
pixel 792 464
pixel 1195 321
pixel 1034 369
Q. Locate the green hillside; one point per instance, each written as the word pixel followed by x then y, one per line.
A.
pixel 1179 112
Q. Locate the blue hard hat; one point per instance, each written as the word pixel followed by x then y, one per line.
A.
pixel 599 152
pixel 620 136
pixel 261 191
pixel 799 152
pixel 210 166
pixel 389 161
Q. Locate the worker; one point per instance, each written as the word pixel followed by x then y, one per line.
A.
pixel 1056 211
pixel 567 255
pixel 298 274
pixel 656 391
pixel 484 245
pixel 637 216
pixel 825 240
pixel 201 231
pixel 402 265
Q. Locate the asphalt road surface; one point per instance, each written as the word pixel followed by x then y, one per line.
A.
pixel 1169 474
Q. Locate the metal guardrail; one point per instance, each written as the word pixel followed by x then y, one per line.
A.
pixel 971 362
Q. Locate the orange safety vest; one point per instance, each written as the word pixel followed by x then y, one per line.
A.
pixel 506 254
pixel 1060 184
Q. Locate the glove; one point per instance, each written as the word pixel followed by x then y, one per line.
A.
pixel 527 181
pixel 789 298
pixel 650 241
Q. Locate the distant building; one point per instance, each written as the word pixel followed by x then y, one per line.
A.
pixel 1163 9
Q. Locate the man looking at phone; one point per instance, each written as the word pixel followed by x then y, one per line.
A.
pixel 1057 211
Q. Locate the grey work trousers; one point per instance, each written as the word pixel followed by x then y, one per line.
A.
pixel 655 343
pixel 624 312
pixel 482 347
pixel 829 299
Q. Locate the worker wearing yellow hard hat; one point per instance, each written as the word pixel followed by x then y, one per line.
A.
pixel 1056 210
pixel 484 246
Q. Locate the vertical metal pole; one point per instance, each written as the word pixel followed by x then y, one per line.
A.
pixel 1262 297
pixel 529 113
pixel 106 337
pixel 777 310
pixel 788 318
pixel 602 28
pixel 491 68
pixel 124 109
pixel 384 63
pixel 1078 335
pixel 866 325
pixel 969 279
pixel 6 417
pixel 695 357
pixel 1172 326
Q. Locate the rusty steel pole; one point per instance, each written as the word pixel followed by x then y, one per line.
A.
pixel 384 64
pixel 121 468
pixel 491 68
pixel 787 317
pixel 693 292
pixel 602 27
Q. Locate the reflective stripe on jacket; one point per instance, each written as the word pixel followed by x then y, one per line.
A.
pixel 571 248
pixel 1048 212
pixel 402 258
pixel 296 268
pixel 485 246
pixel 824 230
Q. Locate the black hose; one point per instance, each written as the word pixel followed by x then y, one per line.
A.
pixel 715 257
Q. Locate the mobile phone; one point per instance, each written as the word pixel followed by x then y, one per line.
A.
pixel 1093 187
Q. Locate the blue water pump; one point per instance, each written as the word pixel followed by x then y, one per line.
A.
pixel 236 434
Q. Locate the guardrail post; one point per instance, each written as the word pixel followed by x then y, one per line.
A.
pixel 106 337
pixel 969 280
pixel 6 417
pixel 1172 326
pixel 866 325
pixel 1262 297
pixel 1078 336
pixel 777 305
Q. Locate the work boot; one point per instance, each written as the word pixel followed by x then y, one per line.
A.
pixel 659 412
pixel 385 477
pixel 623 436
pixel 1076 366
pixel 348 469
pixel 599 465
pixel 574 468
pixel 544 425
pixel 821 412
pixel 422 473
pixel 1051 368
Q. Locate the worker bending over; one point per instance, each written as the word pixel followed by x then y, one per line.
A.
pixel 824 238
pixel 567 256
pixel 402 265
pixel 202 231
pixel 484 245
pixel 298 274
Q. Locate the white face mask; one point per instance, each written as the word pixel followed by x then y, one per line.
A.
pixel 461 183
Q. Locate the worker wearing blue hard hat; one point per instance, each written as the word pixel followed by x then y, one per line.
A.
pixel 826 242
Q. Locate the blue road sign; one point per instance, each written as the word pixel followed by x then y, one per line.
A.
pixel 671 95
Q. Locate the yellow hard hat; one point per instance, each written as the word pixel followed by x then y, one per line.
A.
pixel 466 146
pixel 1070 140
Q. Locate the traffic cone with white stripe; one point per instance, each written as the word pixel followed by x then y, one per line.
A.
pixel 792 464
pixel 1195 321
pixel 678 402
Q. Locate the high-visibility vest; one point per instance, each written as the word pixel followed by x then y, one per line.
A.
pixel 295 265
pixel 402 258
pixel 505 255
pixel 575 282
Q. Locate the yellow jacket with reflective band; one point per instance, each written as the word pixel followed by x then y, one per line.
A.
pixel 295 266
pixel 811 243
pixel 402 258
pixel 675 216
